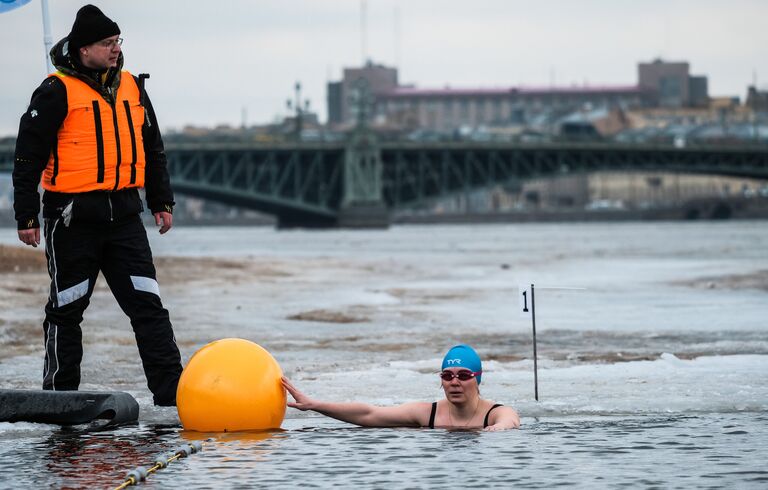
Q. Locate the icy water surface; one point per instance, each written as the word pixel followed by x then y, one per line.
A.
pixel 677 451
pixel 653 373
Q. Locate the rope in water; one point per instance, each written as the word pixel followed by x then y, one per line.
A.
pixel 139 474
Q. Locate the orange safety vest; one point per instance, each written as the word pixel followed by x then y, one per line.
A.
pixel 99 146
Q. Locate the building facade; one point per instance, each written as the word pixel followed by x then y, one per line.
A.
pixel 381 80
pixel 673 84
pixel 449 109
pixel 757 100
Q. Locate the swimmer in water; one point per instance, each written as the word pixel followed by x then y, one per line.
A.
pixel 462 408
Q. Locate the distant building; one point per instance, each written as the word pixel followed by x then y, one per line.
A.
pixel 381 79
pixel 449 108
pixel 592 124
pixel 757 100
pixel 673 84
pixel 446 110
pixel 334 102
pixel 698 89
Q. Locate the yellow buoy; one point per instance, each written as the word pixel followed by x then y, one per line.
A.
pixel 231 385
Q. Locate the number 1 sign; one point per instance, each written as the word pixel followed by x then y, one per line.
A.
pixel 525 299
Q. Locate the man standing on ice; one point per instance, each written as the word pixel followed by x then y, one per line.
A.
pixel 91 132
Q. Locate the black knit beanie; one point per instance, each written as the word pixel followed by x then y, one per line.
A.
pixel 90 25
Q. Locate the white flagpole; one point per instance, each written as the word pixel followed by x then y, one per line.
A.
pixel 47 39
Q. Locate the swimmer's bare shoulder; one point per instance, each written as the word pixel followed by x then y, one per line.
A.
pixel 503 418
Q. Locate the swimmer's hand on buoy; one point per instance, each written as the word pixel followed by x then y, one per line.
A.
pixel 303 402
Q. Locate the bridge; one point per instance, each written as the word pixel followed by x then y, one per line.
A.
pixel 358 183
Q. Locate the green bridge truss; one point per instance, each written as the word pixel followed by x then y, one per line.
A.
pixel 358 183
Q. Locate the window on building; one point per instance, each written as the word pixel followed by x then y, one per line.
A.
pixel 464 109
pixel 517 115
pixel 488 112
pixel 670 86
pixel 497 112
pixel 670 91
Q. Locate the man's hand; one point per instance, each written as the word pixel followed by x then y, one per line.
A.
pixel 164 219
pixel 30 236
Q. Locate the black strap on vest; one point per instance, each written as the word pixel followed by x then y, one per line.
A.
pixel 55 153
pixel 127 107
pixel 99 141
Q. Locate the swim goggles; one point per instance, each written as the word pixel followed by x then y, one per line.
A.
pixel 463 375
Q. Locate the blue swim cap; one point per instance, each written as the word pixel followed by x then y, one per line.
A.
pixel 463 356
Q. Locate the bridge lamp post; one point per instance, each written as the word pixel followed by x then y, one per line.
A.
pixel 300 110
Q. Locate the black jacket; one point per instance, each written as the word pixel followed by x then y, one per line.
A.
pixel 38 130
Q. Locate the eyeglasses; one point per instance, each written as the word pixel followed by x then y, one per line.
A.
pixel 111 43
pixel 462 375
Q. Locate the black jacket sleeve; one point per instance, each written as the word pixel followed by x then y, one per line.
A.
pixel 38 129
pixel 157 182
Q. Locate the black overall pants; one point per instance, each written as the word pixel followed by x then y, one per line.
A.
pixel 76 252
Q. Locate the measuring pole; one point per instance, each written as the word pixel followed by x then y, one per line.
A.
pixel 525 291
pixel 535 356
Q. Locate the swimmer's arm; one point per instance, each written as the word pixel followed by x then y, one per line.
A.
pixel 503 418
pixel 363 414
pixel 405 415
pixel 366 415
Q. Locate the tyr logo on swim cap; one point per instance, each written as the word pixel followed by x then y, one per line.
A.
pixel 463 356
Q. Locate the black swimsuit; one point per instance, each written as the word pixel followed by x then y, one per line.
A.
pixel 434 412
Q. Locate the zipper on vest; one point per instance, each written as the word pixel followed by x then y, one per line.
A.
pixel 117 142
pixel 127 107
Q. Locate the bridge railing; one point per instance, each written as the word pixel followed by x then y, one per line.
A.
pixel 7 148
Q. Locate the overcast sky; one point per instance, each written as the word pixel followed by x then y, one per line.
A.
pixel 209 60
